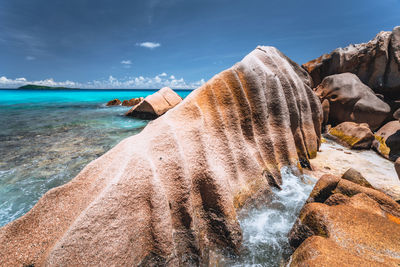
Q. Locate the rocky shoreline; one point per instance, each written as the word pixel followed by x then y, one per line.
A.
pixel 171 194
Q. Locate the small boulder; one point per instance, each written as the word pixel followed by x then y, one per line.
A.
pixel 351 100
pixel 387 140
pixel 114 102
pixel 132 102
pixel 156 104
pixel 355 176
pixel 354 135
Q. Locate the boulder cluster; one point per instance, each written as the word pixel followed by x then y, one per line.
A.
pixel 359 88
pixel 345 222
pixel 128 103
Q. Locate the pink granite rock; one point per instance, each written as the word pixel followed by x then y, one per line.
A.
pixel 169 195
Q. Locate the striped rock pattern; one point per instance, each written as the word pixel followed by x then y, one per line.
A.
pixel 170 194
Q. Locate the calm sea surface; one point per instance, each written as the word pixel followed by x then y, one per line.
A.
pixel 48 136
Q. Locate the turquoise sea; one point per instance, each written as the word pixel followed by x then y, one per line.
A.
pixel 48 136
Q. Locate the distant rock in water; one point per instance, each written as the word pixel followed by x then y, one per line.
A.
pixel 376 63
pixel 346 224
pixel 170 194
pixel 43 87
pixel 132 102
pixel 155 104
pixel 351 100
pixel 114 102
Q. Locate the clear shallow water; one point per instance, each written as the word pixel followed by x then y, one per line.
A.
pixel 48 136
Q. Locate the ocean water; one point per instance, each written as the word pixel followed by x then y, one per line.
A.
pixel 48 136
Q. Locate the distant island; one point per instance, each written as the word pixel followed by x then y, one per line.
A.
pixel 42 87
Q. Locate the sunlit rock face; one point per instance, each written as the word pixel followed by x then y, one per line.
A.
pixel 376 63
pixel 346 224
pixel 170 194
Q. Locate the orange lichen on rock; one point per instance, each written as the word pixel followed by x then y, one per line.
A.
pixel 346 224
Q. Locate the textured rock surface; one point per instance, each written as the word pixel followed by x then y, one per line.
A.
pixel 114 102
pixel 351 100
pixel 346 224
pixel 387 140
pixel 170 194
pixel 131 102
pixel 156 104
pixel 354 135
pixel 355 176
pixel 376 63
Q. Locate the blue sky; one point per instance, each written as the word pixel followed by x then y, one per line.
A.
pixel 180 43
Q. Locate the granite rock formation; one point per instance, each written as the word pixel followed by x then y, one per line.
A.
pixel 387 140
pixel 376 63
pixel 353 135
pixel 132 102
pixel 351 100
pixel 114 102
pixel 155 104
pixel 169 195
pixel 346 224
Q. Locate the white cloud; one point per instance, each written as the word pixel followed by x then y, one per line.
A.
pixel 30 58
pixel 163 74
pixel 149 45
pixel 112 82
pixel 126 62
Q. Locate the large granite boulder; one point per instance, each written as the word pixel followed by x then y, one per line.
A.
pixel 170 194
pixel 376 63
pixel 155 104
pixel 351 100
pixel 346 224
pixel 353 135
pixel 387 140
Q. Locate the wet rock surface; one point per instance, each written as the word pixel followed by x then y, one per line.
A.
pixel 170 194
pixel 346 224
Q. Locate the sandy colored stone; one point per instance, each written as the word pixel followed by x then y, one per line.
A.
pixel 355 226
pixel 352 101
pixel 376 63
pixel 155 104
pixel 354 135
pixel 169 194
pixel 356 177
